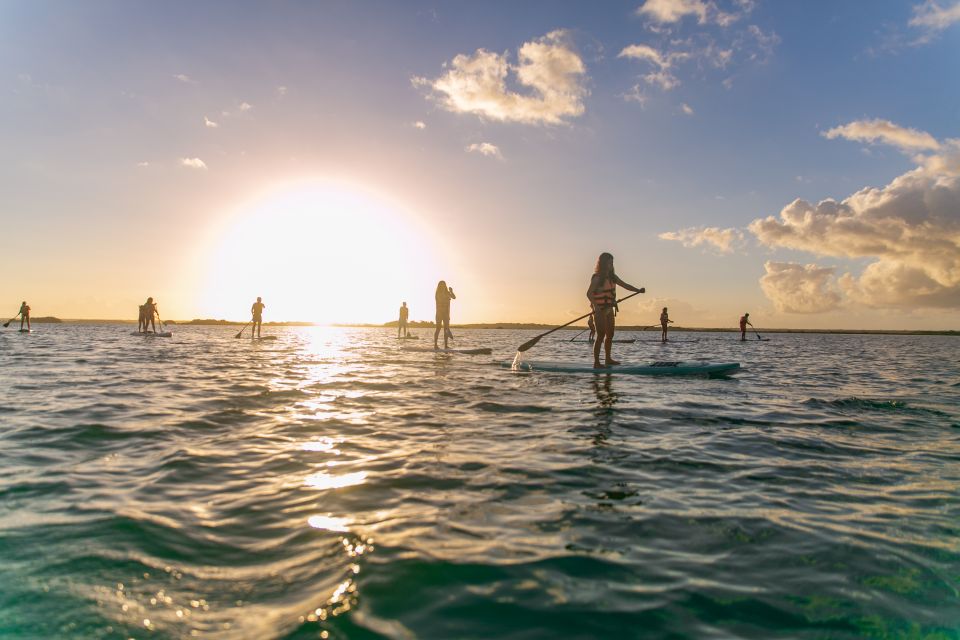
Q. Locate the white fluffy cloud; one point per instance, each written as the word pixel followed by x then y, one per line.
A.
pixel 722 240
pixel 910 228
pixel 208 123
pixel 193 163
pixel 673 10
pixel 420 124
pixel 485 149
pixel 935 16
pixel 886 132
pixel 798 288
pixel 184 78
pixel 686 109
pixel 548 68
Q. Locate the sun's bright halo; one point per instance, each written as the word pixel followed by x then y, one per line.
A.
pixel 324 252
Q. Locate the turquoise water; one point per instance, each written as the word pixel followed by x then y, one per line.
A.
pixel 328 484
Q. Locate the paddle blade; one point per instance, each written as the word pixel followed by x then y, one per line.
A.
pixel 6 324
pixel 529 343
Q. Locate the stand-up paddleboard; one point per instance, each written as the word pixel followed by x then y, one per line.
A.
pixel 663 368
pixel 149 334
pixel 481 351
pixel 264 338
pixel 408 338
pixel 755 340
pixel 24 330
pixel 615 341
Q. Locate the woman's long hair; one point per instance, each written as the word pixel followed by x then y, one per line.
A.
pixel 441 289
pixel 605 265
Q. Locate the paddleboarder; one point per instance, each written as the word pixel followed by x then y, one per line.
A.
pixel 744 321
pixel 402 324
pixel 149 313
pixel 602 294
pixel 443 296
pixel 664 320
pixel 257 310
pixel 24 315
pixel 591 325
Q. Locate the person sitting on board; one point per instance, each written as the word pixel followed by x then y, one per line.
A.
pixel 24 315
pixel 402 324
pixel 443 296
pixel 149 312
pixel 593 329
pixel 257 311
pixel 664 319
pixel 602 294
pixel 744 321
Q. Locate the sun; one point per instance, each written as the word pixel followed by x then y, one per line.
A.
pixel 321 252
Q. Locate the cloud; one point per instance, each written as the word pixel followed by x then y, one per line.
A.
pixel 486 149
pixel 210 124
pixel 552 73
pixel 667 11
pixel 184 78
pixel 798 288
pixel 702 49
pixel 934 16
pixel 282 91
pixel 884 131
pixel 909 228
pixel 636 94
pixel 687 109
pixel 193 163
pixel 722 240
pixel 673 11
pixel 420 124
pixel 143 164
pixel 245 106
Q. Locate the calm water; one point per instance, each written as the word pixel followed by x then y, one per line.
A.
pixel 329 483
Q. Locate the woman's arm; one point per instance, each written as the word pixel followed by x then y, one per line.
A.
pixel 628 287
pixel 453 296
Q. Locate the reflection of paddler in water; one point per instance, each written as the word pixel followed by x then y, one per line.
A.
pixel 443 296
pixel 603 298
pixel 664 320
pixel 149 313
pixel 257 310
pixel 605 411
pixel 402 324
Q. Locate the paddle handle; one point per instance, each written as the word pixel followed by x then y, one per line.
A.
pixel 534 341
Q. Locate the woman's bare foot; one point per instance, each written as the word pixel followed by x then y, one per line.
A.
pixel 611 362
pixel 597 365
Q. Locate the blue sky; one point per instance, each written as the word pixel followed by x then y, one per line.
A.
pixel 136 134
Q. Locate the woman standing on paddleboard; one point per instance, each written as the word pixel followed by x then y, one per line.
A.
pixel 24 315
pixel 603 298
pixel 443 295
pixel 149 313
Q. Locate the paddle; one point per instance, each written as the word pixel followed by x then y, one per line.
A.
pixel 574 338
pixel 7 323
pixel 243 329
pixel 534 340
pixel 756 332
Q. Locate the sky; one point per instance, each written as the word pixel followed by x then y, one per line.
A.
pixel 797 160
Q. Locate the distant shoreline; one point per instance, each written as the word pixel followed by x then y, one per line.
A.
pixel 514 326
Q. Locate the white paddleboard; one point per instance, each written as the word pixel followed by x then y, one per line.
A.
pixel 659 368
pixel 481 351
pixel 149 334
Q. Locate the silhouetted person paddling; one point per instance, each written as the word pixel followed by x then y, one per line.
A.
pixel 603 298
pixel 24 314
pixel 443 296
pixel 257 310
pixel 664 320
pixel 402 323
pixel 149 312
pixel 592 326
pixel 744 321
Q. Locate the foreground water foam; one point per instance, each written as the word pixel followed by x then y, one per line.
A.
pixel 330 483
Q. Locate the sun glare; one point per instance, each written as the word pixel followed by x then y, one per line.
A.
pixel 321 252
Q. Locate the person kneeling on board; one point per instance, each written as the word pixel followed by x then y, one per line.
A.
pixel 603 299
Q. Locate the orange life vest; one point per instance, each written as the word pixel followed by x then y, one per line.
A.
pixel 606 295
